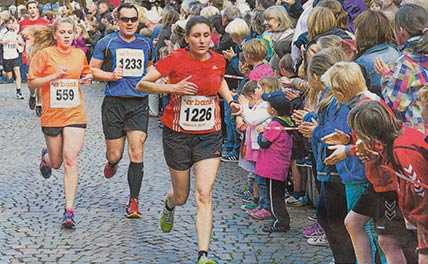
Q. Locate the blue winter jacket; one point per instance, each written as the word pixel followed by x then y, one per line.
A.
pixel 350 170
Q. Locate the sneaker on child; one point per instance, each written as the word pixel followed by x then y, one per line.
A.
pixel 243 191
pixel 318 241
pixel 301 201
pixel 261 214
pixel 230 157
pixel 249 206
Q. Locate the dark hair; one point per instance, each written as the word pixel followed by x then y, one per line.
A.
pixel 215 22
pixel 31 2
pixel 126 5
pixel 266 3
pixel 373 28
pixel 196 20
pixel 371 121
pixel 78 13
pixel 414 20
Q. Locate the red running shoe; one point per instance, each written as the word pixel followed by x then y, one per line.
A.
pixel 109 171
pixel 132 209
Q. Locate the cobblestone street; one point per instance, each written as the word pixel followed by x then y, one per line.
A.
pixel 31 207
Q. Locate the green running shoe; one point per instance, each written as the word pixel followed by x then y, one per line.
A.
pixel 167 218
pixel 205 260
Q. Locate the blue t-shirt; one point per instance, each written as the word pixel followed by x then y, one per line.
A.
pixel 133 56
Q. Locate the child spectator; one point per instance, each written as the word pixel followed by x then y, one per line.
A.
pixel 288 73
pixel 250 192
pixel 274 158
pixel 375 5
pixel 255 52
pixel 12 46
pixel 378 200
pixel 400 85
pixel 331 207
pixel 403 158
pixel 254 116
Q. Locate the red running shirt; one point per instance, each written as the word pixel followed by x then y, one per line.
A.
pixel 199 114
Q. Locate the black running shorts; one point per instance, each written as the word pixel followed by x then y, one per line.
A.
pixel 55 131
pixel 383 208
pixel 120 114
pixel 182 150
pixel 8 65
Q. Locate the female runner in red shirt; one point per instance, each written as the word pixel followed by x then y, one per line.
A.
pixel 192 135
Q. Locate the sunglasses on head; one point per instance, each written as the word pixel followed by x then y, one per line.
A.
pixel 128 19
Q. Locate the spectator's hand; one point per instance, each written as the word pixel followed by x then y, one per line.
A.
pixel 338 154
pixel 286 82
pixel 337 138
pixel 291 94
pixel 185 87
pixel 155 41
pixel 307 128
pixel 381 67
pixel 117 73
pixel 86 79
pixel 365 154
pixel 229 54
pixel 260 129
pixel 298 115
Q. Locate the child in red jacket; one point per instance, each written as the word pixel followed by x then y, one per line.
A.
pixel 403 156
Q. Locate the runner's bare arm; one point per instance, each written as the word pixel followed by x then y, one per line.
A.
pixel 39 82
pixel 148 84
pixel 227 95
pixel 101 75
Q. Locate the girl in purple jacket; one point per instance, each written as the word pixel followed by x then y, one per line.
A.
pixel 274 158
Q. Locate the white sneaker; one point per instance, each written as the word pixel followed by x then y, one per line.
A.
pixel 318 241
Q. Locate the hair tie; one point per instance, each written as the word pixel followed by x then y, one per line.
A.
pixel 425 30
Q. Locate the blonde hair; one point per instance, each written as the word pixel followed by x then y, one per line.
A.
pixel 347 78
pixel 423 95
pixel 255 49
pixel 209 11
pixel 320 20
pixel 43 36
pixel 279 13
pixel 270 84
pixel 238 27
pixel 329 41
pixel 339 13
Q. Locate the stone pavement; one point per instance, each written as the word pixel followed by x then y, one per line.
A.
pixel 31 207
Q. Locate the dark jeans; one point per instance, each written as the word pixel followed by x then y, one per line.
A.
pixel 330 214
pixel 232 139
